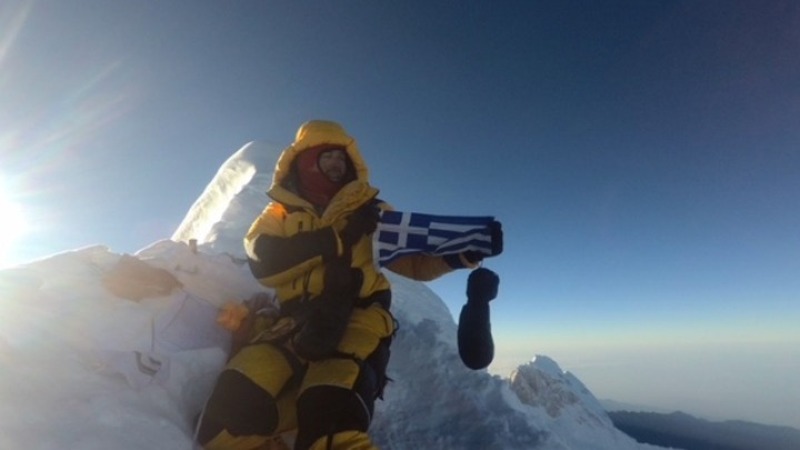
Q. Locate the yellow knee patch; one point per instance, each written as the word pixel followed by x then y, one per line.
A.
pixel 366 328
pixel 331 372
pixel 345 440
pixel 287 411
pixel 226 441
pixel 265 365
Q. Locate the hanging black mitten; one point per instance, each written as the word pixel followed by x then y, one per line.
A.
pixel 475 343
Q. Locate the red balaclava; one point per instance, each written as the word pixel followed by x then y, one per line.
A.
pixel 312 184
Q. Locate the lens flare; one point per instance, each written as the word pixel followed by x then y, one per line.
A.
pixel 13 218
pixel 13 225
pixel 12 21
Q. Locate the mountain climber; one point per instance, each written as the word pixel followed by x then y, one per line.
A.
pixel 318 366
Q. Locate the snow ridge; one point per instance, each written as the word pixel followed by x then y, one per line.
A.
pixel 219 218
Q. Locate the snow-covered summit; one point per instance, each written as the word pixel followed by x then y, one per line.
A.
pixel 101 350
pixel 219 218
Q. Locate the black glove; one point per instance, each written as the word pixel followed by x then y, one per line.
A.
pixel 482 286
pixel 496 231
pixel 362 221
pixel 339 278
pixel 329 312
pixel 475 343
pixel 324 327
pixel 261 303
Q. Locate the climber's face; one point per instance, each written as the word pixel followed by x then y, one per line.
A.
pixel 333 164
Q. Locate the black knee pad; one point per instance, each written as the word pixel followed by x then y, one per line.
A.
pixel 325 410
pixel 239 406
pixel 376 363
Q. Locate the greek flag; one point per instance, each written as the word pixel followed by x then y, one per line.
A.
pixel 402 233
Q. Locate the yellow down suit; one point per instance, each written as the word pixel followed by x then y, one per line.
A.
pixel 267 388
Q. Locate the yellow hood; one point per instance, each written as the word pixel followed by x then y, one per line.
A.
pixel 312 134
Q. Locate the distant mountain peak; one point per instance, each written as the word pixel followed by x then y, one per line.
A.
pixel 541 383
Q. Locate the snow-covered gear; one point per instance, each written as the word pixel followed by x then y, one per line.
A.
pixel 475 343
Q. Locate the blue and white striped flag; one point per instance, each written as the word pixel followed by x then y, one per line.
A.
pixel 403 233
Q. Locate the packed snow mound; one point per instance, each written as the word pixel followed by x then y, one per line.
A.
pixel 102 350
pixel 90 363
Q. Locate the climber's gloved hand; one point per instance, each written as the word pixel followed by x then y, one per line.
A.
pixel 472 257
pixel 475 343
pixel 324 328
pixel 341 279
pixel 329 313
pixel 261 303
pixel 362 221
pixel 496 232
pixel 482 286
pixel 496 229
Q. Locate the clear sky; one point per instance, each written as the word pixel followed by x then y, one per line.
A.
pixel 644 157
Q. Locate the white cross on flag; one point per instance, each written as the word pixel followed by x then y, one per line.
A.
pixel 403 233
